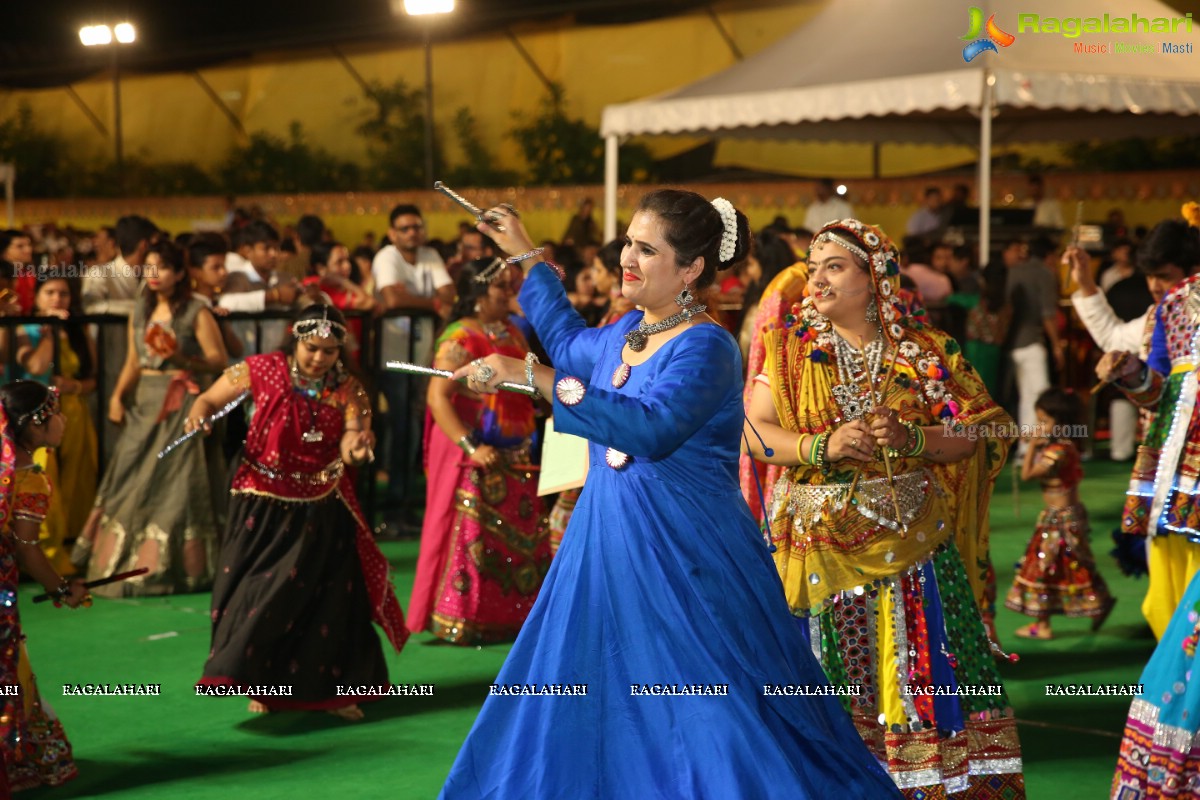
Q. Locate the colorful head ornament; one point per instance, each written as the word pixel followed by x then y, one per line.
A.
pixel 43 413
pixel 321 328
pixel 872 246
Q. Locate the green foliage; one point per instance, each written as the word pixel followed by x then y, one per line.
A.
pixel 269 163
pixel 563 150
pixel 142 179
pixel 395 134
pixel 1125 155
pixel 557 148
pixel 40 159
pixel 480 167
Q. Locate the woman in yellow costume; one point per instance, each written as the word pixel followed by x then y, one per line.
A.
pixel 71 467
pixel 856 388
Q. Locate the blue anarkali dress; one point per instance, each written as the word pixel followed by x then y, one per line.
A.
pixel 663 587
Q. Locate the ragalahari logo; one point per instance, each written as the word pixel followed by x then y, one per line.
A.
pixel 994 37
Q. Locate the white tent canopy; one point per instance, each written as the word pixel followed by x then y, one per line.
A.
pixel 887 70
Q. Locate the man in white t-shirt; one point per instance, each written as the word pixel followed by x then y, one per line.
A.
pixel 827 207
pixel 409 276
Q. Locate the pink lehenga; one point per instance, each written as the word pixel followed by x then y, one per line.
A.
pixel 484 543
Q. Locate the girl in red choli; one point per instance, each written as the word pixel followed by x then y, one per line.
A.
pixel 1057 574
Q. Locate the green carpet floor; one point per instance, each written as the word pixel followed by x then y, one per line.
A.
pixel 184 747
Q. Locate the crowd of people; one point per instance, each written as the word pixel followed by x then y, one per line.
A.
pixel 849 548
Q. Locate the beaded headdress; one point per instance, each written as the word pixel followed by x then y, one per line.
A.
pixel 876 250
pixel 41 414
pixel 321 328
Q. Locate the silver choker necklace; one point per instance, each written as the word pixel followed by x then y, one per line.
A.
pixel 639 337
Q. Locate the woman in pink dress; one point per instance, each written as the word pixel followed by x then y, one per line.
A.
pixel 485 541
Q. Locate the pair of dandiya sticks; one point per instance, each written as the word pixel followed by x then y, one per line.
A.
pixel 394 366
pixel 887 460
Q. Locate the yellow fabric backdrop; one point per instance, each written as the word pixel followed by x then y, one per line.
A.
pixel 169 117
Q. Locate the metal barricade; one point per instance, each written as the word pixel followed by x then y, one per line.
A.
pixel 369 368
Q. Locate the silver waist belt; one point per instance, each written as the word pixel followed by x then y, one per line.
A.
pixel 805 503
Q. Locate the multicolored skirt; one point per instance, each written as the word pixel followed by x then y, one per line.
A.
pixel 1057 574
pixel 921 680
pixel 1160 752
pixel 560 515
pixel 1135 519
pixel 496 558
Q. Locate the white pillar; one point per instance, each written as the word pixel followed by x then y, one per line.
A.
pixel 611 159
pixel 985 169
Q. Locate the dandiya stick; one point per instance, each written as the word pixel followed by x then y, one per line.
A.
pixel 480 216
pixel 1121 359
pixel 218 414
pixel 120 576
pixel 431 372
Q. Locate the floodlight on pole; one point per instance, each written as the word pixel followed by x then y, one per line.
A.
pixel 427 8
pixel 100 36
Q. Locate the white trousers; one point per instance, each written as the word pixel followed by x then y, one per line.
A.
pixel 1122 427
pixel 1031 369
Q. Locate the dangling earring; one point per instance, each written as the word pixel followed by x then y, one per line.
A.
pixel 685 298
pixel 872 312
pixel 195 285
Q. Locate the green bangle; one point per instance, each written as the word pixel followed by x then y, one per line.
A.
pixel 920 448
pixel 817 454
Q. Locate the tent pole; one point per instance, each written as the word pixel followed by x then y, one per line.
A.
pixel 611 156
pixel 8 171
pixel 985 169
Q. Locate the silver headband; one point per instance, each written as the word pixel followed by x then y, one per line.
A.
pixel 489 273
pixel 841 241
pixel 321 328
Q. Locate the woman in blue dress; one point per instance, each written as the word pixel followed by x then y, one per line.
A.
pixel 662 603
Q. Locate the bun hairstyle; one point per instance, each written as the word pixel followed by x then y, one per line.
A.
pixel 470 290
pixel 692 226
pixel 1171 241
pixel 21 399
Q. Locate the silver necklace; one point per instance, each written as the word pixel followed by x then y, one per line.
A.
pixel 639 337
pixel 311 390
pixel 856 368
pixel 495 330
